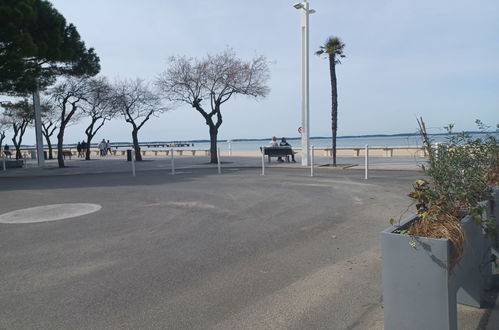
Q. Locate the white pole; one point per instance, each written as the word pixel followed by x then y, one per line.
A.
pixel 38 128
pixel 312 162
pixel 3 163
pixel 263 160
pixel 366 165
pixel 230 147
pixel 173 162
pixel 133 162
pixel 218 161
pixel 437 150
pixel 305 115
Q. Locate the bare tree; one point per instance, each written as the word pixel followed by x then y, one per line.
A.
pixel 19 115
pixel 50 119
pixel 214 79
pixel 98 108
pixel 67 97
pixel 137 103
pixel 4 126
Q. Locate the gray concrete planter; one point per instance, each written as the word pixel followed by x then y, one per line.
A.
pixel 419 290
pixel 473 273
pixel 494 211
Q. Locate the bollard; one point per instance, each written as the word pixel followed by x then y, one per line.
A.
pixel 173 162
pixel 263 160
pixel 312 162
pixel 133 162
pixel 366 165
pixel 218 161
pixel 3 163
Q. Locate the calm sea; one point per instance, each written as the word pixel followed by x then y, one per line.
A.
pixel 378 141
pixel 248 145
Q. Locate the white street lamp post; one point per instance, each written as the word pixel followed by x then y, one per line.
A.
pixel 305 113
pixel 40 156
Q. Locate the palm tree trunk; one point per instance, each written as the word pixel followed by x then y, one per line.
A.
pixel 334 104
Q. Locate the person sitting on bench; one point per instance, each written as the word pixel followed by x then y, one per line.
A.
pixel 284 143
pixel 274 143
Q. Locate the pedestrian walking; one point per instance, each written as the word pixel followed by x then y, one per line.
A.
pixel 102 148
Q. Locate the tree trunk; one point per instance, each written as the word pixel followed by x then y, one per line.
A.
pixel 87 151
pixel 60 156
pixel 334 105
pixel 90 135
pixel 47 131
pixel 17 145
pixel 49 144
pixel 18 138
pixel 213 144
pixel 135 140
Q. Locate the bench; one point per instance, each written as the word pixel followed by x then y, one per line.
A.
pixel 11 163
pixel 388 152
pixel 68 153
pixel 278 152
pixel 329 151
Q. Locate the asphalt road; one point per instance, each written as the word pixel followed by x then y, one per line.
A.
pixel 199 250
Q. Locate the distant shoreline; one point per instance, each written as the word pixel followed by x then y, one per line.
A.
pixel 345 137
pixel 313 137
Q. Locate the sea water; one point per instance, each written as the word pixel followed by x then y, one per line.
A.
pixel 352 142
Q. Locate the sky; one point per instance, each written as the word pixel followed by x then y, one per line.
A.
pixel 404 59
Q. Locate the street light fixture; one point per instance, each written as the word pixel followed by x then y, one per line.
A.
pixel 305 115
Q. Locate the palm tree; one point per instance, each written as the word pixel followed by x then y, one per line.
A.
pixel 333 47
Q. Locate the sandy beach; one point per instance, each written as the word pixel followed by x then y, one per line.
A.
pixel 374 151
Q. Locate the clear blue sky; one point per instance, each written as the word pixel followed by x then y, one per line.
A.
pixel 435 59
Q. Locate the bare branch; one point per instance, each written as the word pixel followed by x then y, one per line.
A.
pixel 137 103
pixel 216 79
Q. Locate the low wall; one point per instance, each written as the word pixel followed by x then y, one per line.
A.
pixel 340 152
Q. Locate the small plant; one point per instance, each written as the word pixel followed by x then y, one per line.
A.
pixel 459 173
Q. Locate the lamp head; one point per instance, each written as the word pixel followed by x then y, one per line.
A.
pixel 298 5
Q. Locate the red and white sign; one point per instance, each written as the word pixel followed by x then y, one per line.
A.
pixel 300 129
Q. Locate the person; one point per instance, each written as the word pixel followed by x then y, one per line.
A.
pixel 102 147
pixel 284 143
pixel 108 147
pixel 274 143
pixel 84 147
pixel 6 151
pixel 78 149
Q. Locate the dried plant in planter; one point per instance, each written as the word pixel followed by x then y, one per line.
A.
pixel 435 222
pixel 459 176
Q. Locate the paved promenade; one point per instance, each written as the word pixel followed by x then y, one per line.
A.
pixel 199 250
pixel 119 164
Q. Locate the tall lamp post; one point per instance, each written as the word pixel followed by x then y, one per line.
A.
pixel 303 7
pixel 40 156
